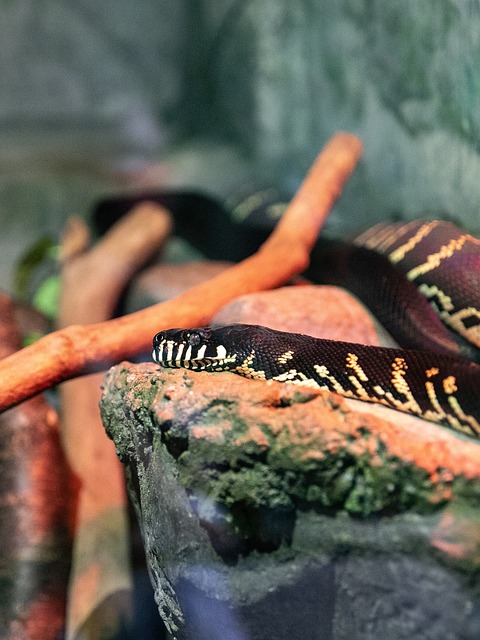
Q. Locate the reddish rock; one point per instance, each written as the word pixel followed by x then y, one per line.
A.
pixel 273 511
pixel 277 511
pixel 317 310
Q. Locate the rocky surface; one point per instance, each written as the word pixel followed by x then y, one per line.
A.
pixel 273 512
pixel 318 310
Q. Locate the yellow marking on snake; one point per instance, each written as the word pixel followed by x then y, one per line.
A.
pixel 296 377
pixel 383 237
pixel 468 312
pixel 323 372
pixel 359 390
pixel 286 376
pixel 434 292
pixel 246 369
pixel 459 418
pixel 382 396
pixel 455 320
pixel 463 417
pixel 394 235
pixel 400 252
pixel 288 355
pixel 438 412
pixel 399 368
pixel 242 210
pixel 379 390
pixel 450 384
pixel 352 363
pixel 359 377
pixel 434 259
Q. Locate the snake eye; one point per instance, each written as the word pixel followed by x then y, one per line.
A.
pixel 194 339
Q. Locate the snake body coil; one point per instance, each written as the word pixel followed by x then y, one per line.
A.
pixel 444 264
pixel 442 261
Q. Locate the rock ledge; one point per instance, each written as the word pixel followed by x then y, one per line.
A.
pixel 259 499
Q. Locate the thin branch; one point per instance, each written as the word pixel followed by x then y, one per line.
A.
pixel 77 350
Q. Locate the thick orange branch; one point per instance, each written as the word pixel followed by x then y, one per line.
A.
pixel 77 350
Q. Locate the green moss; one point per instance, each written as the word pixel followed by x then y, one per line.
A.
pixel 253 493
pixel 248 491
pixel 468 491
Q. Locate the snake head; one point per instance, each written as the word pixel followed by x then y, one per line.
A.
pixel 201 348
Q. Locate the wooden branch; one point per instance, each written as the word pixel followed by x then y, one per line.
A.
pixel 78 350
pixel 100 595
pixel 94 279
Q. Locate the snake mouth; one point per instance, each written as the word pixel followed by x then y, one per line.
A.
pixel 174 354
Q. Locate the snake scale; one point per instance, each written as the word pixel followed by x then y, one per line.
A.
pixel 428 381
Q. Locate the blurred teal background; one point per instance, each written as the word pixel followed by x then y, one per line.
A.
pixel 100 97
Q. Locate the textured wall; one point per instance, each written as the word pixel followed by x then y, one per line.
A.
pixel 403 75
pixel 219 91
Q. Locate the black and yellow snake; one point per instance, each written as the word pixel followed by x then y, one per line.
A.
pixel 444 263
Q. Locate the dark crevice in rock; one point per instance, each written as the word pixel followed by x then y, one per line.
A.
pixel 244 529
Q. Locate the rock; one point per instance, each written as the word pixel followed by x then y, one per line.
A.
pixel 322 311
pixel 317 310
pixel 270 511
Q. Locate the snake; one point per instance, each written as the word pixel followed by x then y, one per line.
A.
pixel 439 265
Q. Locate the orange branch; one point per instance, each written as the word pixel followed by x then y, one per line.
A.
pixel 77 350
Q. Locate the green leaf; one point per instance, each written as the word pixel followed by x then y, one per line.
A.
pixel 32 337
pixel 47 295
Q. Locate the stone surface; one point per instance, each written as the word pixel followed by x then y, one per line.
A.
pixel 320 311
pixel 269 511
